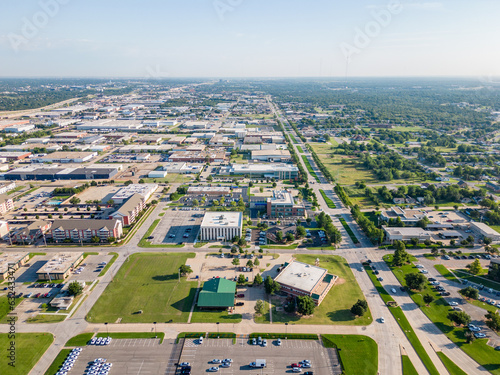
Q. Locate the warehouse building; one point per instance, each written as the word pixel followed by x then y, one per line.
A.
pixel 65 157
pixel 14 156
pixel 302 279
pixel 14 260
pixel 272 155
pixel 221 226
pixel 60 266
pixel 217 294
pixel 144 190
pixel 58 173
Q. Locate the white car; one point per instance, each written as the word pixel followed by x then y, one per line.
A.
pixel 184 364
pixel 453 303
pixel 382 320
pixel 215 361
pixel 225 364
pixel 278 342
pixel 227 360
pixel 393 290
pixel 213 369
pixel 296 369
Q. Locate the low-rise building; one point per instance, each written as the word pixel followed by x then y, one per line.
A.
pixel 10 262
pixel 272 155
pixel 221 226
pixel 80 230
pixel 302 279
pixel 406 234
pixel 144 190
pixel 14 156
pixel 282 205
pixel 4 188
pixel 482 230
pixel 32 232
pixel 60 266
pixel 65 157
pixel 217 294
pixel 278 171
pixel 408 217
pixel 209 156
pixel 209 190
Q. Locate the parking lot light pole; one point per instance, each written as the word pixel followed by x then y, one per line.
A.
pixel 156 336
pixel 218 329
pixel 107 330
pixel 286 331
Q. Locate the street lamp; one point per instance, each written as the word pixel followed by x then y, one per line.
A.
pixel 217 329
pixel 286 331
pixel 107 330
pixel 156 336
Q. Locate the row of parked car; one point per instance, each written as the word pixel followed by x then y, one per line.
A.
pixel 69 362
pixel 99 367
pixel 100 341
pixel 44 285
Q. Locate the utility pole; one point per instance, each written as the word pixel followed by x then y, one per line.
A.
pixel 107 330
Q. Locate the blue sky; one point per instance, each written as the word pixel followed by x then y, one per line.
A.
pixel 249 38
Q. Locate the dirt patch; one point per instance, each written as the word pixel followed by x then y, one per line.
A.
pixel 340 281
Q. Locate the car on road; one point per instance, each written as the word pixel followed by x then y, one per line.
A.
pixel 382 320
pixel 380 278
pixel 393 290
pixel 419 266
pixel 479 335
pixel 474 328
pixel 453 303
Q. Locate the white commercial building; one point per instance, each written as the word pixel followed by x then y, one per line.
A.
pixel 406 234
pixel 221 226
pixel 145 190
pixel 484 230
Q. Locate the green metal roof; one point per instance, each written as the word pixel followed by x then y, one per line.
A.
pixel 217 293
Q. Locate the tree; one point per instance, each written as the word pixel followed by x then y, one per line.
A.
pixel 185 270
pixel 279 236
pixel 74 201
pixel 428 298
pixel 258 279
pixel 259 307
pixel 469 337
pixel 290 236
pixel 256 262
pixel 95 239
pixel 241 279
pixel 291 306
pixel 493 320
pixel 460 318
pixel 435 251
pixel 401 256
pixel 487 240
pixel 195 202
pixel 249 263
pixel 75 288
pixel 305 305
pixel 475 267
pixel 236 261
pixel 415 281
pixel 154 201
pixel 470 292
pixel 236 238
pixel 359 308
pixel 271 286
pixel 308 221
pixel 301 231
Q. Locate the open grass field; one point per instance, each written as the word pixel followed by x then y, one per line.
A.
pixel 147 282
pixel 214 317
pixel 5 307
pixel 174 178
pixel 28 350
pixel 335 308
pixel 358 354
pixel 452 368
pixel 408 368
pixel 438 311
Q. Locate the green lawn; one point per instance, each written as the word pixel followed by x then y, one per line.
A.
pixel 477 280
pixel 47 318
pixel 335 308
pixel 58 361
pixel 452 368
pixel 5 307
pixel 309 168
pixel 348 229
pixel 358 354
pixel 207 316
pixel 277 247
pixel 328 201
pixel 300 149
pixel 438 311
pixel 80 340
pixel 29 348
pixel 147 282
pixel 408 368
pixel 445 272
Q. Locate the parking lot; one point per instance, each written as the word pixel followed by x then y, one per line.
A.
pixel 131 356
pixel 178 226
pixel 278 358
pixel 91 269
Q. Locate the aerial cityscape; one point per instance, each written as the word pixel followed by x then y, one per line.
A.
pixel 240 200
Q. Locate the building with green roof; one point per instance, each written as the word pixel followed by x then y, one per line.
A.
pixel 217 294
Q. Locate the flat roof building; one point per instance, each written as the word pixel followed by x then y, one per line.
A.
pixel 282 205
pixel 277 170
pixel 144 190
pixel 484 230
pixel 405 234
pixel 302 279
pixel 209 190
pixel 60 266
pixel 272 155
pixel 221 226
pixel 59 173
pixel 408 217
pixel 15 260
pixel 65 157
